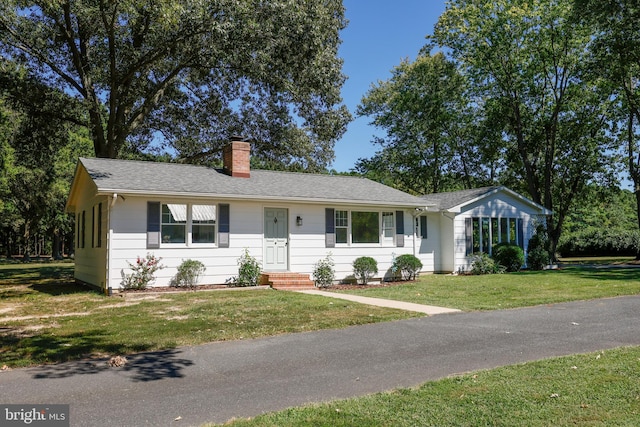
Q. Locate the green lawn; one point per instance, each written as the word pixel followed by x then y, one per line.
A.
pixel 46 318
pixel 597 389
pixel 499 291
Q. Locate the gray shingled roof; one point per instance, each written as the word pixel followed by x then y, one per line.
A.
pixel 136 177
pixel 445 201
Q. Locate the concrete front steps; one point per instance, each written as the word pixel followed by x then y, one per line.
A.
pixel 287 281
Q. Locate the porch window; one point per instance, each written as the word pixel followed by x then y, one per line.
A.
pixel 495 231
pixel 486 239
pixel 174 223
pixel 481 234
pixel 476 234
pixel 513 239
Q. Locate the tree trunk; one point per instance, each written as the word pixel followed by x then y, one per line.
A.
pixel 27 255
pixel 55 246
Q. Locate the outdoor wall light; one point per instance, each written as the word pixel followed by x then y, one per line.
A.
pixel 299 221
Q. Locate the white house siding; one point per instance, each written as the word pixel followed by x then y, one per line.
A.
pixel 306 242
pixel 437 248
pixel 90 260
pixel 499 205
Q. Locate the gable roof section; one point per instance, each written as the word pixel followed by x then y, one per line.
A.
pixel 454 201
pixel 174 179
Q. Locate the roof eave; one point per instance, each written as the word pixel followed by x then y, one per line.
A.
pixel 458 208
pixel 325 201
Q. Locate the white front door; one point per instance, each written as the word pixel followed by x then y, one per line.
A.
pixel 276 239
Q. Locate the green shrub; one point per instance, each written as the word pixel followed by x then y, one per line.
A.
pixel 408 265
pixel 248 271
pixel 482 263
pixel 538 251
pixel 511 257
pixel 189 273
pixel 323 273
pixel 143 272
pixel 364 268
pixel 600 242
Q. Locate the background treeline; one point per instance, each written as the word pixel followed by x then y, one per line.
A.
pixel 604 223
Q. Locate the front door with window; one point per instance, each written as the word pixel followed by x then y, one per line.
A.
pixel 276 240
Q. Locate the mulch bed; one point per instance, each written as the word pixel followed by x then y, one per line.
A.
pixel 341 287
pixel 345 287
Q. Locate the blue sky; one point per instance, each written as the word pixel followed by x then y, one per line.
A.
pixel 379 35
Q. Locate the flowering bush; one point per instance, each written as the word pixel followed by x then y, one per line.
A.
pixel 323 273
pixel 248 271
pixel 143 272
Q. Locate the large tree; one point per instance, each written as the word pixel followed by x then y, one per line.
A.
pixel 525 60
pixel 39 146
pixel 616 52
pixel 430 142
pixel 424 112
pixel 190 73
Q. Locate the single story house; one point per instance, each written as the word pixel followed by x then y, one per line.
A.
pixel 288 221
pixel 469 221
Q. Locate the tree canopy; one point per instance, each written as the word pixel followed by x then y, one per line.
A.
pixel 530 111
pixel 189 74
pixel 429 144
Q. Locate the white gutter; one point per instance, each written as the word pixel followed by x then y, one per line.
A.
pixel 167 194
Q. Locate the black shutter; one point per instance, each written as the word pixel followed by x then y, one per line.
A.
pixel 99 225
pixel 330 227
pixel 153 225
pixel 468 235
pixel 93 227
pixel 223 225
pixel 78 231
pixel 423 227
pixel 399 229
pixel 84 226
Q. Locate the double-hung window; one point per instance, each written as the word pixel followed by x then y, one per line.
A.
pixel 342 226
pixel 174 223
pixel 203 224
pixel 388 227
pixel 182 224
pixel 188 224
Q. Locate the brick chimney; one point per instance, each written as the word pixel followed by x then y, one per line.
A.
pixel 235 158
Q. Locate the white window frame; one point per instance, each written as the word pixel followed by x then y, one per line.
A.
pixel 188 224
pixel 382 240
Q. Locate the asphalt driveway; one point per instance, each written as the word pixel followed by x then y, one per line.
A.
pixel 219 381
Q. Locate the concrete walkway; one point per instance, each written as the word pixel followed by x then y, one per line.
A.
pixel 401 305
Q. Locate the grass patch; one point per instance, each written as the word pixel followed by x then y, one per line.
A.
pixel 47 318
pixel 587 390
pixel 511 290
